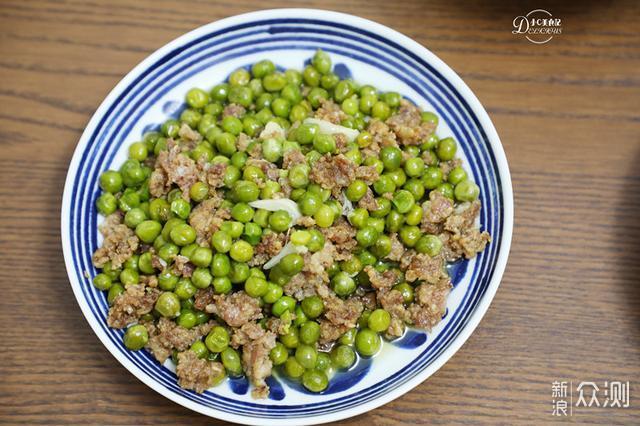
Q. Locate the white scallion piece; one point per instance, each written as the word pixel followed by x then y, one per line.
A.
pixel 330 128
pixel 273 205
pixel 272 130
pixel 289 248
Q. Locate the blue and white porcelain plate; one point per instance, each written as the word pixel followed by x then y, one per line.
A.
pixel 370 53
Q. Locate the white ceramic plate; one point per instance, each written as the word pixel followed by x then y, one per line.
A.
pixel 370 53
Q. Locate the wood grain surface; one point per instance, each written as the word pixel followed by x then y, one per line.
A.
pixel 568 114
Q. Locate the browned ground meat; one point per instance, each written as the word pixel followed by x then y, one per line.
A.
pixel 279 325
pixel 386 279
pixel 302 284
pixel 128 307
pixel 408 126
pixel 203 297
pixel 431 303
pixel 342 143
pixel 197 374
pixel 435 212
pixel 306 221
pixel 330 111
pixel 235 309
pixel 368 174
pixel 206 219
pixel 318 262
pixel 392 302
pixel 166 335
pixel 119 243
pixel 333 172
pixel 465 238
pixel 368 202
pixel 397 248
pixel 269 246
pixel 340 316
pixel 173 167
pixel 293 157
pixel 429 158
pixel 182 267
pixel 233 110
pixel 381 136
pixel 256 362
pixel 149 280
pixel 419 266
pixel 343 237
pixel 243 141
pixel 268 168
pixel 249 331
pixel 188 134
pixel 447 166
pixel 214 174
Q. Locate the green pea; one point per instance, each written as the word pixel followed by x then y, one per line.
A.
pixel 380 110
pixel 170 128
pixel 241 251
pixel 366 258
pixel 466 191
pixel 168 305
pixel 343 90
pixel 241 95
pixel 262 68
pixel 403 201
pixel 220 265
pixel 315 380
pixel 343 284
pixel 300 317
pixel 376 223
pixel 159 210
pixel 252 233
pixel 279 221
pixel 321 61
pixel 447 149
pixel 379 320
pixel 226 143
pixel 292 263
pixel 201 256
pixel 348 338
pixel 274 82
pixel 358 217
pixel 201 278
pixel 456 175
pixel 279 354
pixel 383 185
pixel 222 285
pixel 367 342
pixel 351 266
pixel 102 282
pixel 300 237
pixel 306 133
pixel 239 77
pixel 299 176
pixel 136 337
pixel 246 191
pixel 391 157
pixel 312 306
pixel 293 368
pixel 316 96
pixel 306 355
pixel 186 319
pixel 197 98
pixel 231 361
pixel 392 99
pixel 217 340
pixel 190 117
pixel 106 204
pixel 309 203
pixel 128 201
pixel 414 216
pixel 111 181
pixel 182 234
pixel 281 107
pixel 324 216
pixel 342 356
pixel 291 338
pixel 324 143
pixel 273 293
pixel 255 287
pixel 282 305
pixel 429 244
pixel 406 290
pixel 356 190
pixel 221 241
pixel 394 221
pixel 242 212
pixel 329 81
pixel 415 187
pixel 410 235
pixel 317 241
pixel 309 332
pixel 200 349
pixel 311 76
pixel 298 113
pixel 432 177
pixel 115 291
pixel 129 276
pixel 382 247
pixel 429 117
pixel 366 236
pixel 446 189
pixel 167 281
pixel 414 167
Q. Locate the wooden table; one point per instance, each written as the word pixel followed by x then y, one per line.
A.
pixel 568 115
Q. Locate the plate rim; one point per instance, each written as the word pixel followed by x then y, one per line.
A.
pixel 447 72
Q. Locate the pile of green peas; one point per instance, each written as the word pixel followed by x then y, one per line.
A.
pixel 407 175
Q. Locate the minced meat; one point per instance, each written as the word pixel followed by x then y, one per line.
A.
pixel 128 307
pixel 408 126
pixel 197 374
pixel 206 218
pixel 119 243
pixel 235 309
pixel 166 335
pixel 333 172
